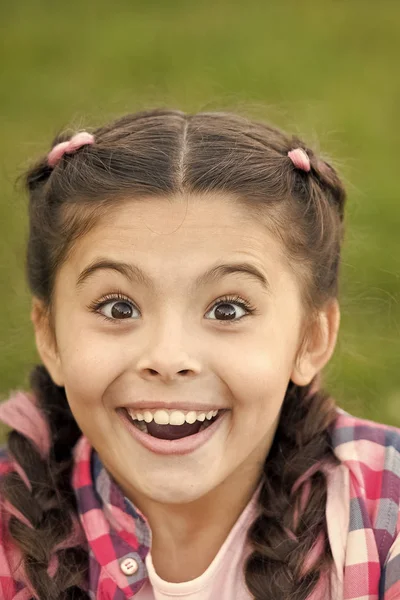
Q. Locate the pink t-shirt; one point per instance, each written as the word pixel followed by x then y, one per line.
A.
pixel 223 579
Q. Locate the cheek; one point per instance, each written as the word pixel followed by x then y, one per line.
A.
pixel 90 363
pixel 262 368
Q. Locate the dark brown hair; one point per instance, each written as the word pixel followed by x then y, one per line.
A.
pixel 160 153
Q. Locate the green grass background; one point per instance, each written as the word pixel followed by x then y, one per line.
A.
pixel 325 70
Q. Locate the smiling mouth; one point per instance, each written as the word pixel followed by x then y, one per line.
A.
pixel 173 432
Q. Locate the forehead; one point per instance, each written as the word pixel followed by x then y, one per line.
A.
pixel 180 236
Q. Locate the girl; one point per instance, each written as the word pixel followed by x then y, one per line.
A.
pixel 176 441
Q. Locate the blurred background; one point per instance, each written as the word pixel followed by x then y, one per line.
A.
pixel 327 71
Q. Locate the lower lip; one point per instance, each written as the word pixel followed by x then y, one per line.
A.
pixel 183 446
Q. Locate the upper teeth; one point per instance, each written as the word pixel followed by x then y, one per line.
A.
pixel 171 417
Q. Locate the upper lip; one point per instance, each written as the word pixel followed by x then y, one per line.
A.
pixel 185 406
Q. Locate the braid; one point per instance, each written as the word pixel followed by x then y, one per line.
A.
pixel 44 521
pixel 294 483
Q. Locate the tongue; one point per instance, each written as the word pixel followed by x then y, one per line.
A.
pixel 173 432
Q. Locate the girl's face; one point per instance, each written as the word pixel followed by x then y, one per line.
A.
pixel 173 346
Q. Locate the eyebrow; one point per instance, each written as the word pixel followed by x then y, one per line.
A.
pixel 137 275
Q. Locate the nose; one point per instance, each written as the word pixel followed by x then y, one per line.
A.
pixel 167 359
pixel 166 368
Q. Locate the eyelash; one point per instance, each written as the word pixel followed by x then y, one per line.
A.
pixel 97 304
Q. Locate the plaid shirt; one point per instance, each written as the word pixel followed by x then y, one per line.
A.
pixel 363 526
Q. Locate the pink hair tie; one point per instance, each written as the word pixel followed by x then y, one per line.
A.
pixel 299 158
pixel 77 141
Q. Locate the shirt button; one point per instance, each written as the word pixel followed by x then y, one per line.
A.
pixel 129 566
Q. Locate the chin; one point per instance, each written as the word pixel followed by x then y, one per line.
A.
pixel 181 493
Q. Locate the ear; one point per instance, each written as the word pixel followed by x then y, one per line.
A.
pixel 45 341
pixel 319 344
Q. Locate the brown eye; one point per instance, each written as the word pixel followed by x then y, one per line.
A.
pixel 225 311
pixel 120 310
pixel 117 309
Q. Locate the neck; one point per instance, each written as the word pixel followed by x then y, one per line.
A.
pixel 187 537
